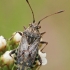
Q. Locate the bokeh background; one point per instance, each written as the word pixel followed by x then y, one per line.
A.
pixel 14 14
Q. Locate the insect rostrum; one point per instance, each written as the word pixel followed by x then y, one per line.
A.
pixel 27 52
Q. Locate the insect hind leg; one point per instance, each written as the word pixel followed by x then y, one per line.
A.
pixel 43 42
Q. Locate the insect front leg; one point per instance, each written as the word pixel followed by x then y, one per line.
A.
pixel 12 52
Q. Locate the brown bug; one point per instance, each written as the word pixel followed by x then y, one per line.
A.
pixel 27 51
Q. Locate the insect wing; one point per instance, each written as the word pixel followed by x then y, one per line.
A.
pixel 21 55
pixel 33 49
pixel 23 45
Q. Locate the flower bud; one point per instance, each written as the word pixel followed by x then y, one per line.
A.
pixel 43 57
pixel 2 43
pixel 6 58
pixel 16 37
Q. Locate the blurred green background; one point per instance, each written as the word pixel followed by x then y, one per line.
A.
pixel 14 14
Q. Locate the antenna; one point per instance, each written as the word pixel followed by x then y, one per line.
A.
pixel 31 10
pixel 50 15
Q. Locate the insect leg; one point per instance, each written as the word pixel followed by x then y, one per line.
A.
pixel 43 42
pixel 12 52
pixel 24 27
pixel 43 33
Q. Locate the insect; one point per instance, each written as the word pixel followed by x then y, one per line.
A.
pixel 27 51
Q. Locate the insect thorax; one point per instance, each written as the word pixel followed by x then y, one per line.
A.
pixel 32 33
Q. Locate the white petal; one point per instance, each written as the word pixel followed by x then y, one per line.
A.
pixel 41 54
pixel 44 61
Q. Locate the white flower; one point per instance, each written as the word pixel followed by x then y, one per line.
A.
pixel 17 37
pixel 6 58
pixel 2 43
pixel 43 57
